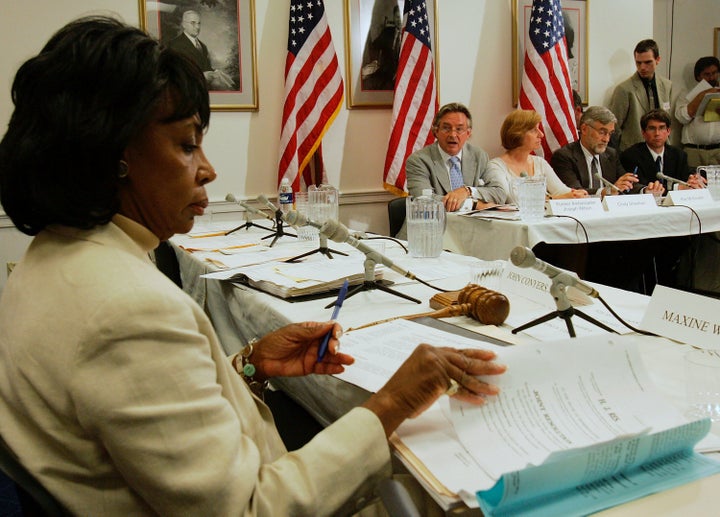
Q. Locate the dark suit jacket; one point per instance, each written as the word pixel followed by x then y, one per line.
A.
pixel 201 57
pixel 638 155
pixel 570 165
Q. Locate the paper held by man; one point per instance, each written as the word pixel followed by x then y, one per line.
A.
pixel 581 405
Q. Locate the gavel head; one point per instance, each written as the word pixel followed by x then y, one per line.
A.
pixel 485 305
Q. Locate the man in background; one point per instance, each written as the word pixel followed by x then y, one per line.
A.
pixel 640 93
pixel 700 139
pixel 453 168
pixel 188 43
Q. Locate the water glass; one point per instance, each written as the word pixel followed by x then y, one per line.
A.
pixel 531 198
pixel 302 205
pixel 712 174
pixel 702 378
pixel 488 273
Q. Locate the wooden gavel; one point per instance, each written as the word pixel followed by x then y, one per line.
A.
pixel 485 305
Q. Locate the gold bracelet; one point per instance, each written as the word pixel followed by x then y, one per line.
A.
pixel 247 370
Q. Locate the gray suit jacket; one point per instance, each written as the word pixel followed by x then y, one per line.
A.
pixel 116 394
pixel 425 169
pixel 629 102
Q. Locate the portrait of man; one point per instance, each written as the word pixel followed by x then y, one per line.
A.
pixel 207 37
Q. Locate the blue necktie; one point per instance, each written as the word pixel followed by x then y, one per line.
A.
pixel 456 177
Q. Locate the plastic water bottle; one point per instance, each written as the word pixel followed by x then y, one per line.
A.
pixel 425 225
pixel 285 196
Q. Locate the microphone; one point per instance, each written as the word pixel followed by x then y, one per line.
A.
pixel 670 179
pixel 251 209
pixel 523 174
pixel 295 218
pixel 338 232
pixel 525 258
pixel 606 182
pixel 267 203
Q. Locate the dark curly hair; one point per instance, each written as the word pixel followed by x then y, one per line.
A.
pixel 90 90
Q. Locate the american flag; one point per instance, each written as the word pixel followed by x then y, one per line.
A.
pixel 313 88
pixel 545 85
pixel 415 102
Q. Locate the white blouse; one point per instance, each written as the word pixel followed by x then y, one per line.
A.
pixel 553 184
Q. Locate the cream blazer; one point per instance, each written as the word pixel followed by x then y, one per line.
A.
pixel 116 394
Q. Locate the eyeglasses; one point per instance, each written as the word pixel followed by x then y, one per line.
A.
pixel 446 130
pixel 602 131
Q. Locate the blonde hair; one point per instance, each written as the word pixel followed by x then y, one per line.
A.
pixel 515 125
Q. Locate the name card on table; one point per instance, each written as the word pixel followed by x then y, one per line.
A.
pixel 685 317
pixel 689 197
pixel 576 207
pixel 630 203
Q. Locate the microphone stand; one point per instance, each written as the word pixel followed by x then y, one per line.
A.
pixel 565 310
pixel 279 230
pixel 248 224
pixel 370 283
pixel 322 248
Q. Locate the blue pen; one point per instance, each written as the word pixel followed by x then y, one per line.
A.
pixel 336 310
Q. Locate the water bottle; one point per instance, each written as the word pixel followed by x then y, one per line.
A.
pixel 425 224
pixel 285 196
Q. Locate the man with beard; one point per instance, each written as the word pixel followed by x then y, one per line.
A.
pixel 577 163
pixel 701 140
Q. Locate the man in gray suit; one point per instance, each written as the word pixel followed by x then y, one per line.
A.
pixel 640 93
pixel 453 168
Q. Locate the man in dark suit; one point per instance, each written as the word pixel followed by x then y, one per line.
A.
pixel 578 163
pixel 188 43
pixel 620 264
pixel 654 154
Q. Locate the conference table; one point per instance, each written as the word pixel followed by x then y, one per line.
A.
pixel 240 313
pixel 492 235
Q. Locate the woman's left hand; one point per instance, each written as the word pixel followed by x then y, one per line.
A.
pixel 292 351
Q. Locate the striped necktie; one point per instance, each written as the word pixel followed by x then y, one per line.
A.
pixel 456 177
pixel 593 172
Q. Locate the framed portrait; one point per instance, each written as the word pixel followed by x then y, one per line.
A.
pixel 219 37
pixel 716 42
pixel 373 29
pixel 575 17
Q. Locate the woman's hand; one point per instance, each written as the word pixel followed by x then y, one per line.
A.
pixel 426 375
pixel 292 351
pixel 574 193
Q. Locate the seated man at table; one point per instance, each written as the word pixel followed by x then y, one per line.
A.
pixel 577 164
pixel 655 154
pixel 453 168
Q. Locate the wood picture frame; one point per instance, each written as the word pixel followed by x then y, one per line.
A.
pixel 716 42
pixel 225 50
pixel 371 50
pixel 575 14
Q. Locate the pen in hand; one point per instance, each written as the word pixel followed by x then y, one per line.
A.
pixel 336 310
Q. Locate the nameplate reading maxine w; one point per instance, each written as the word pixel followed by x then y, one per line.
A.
pixel 685 317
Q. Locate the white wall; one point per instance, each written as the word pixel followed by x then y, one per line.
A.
pixel 474 68
pixel 688 38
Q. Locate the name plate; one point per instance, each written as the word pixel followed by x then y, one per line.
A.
pixel 689 197
pixel 630 203
pixel 685 317
pixel 577 207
